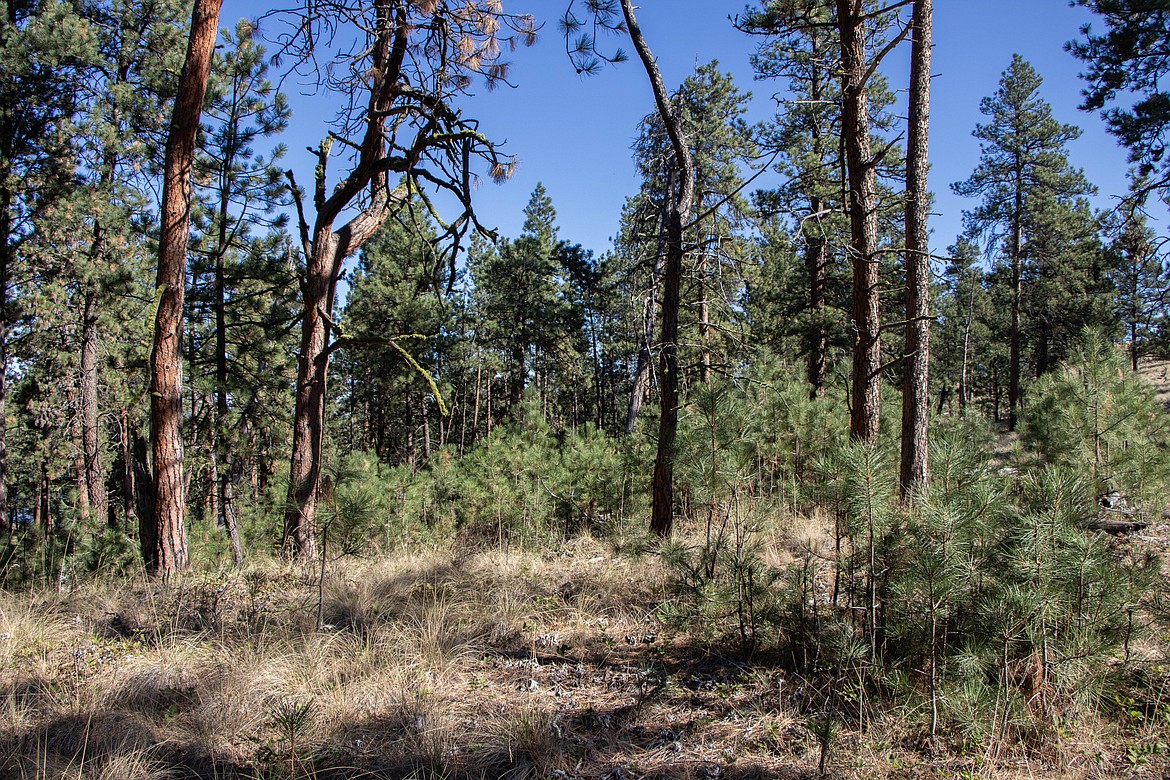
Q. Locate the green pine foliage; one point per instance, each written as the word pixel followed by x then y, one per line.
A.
pixel 1098 420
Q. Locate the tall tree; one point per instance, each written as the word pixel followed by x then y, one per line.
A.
pixel 1143 281
pixel 865 415
pixel 914 467
pixel 140 46
pixel 803 49
pixel 1129 62
pixel 711 110
pixel 164 538
pixel 42 46
pixel 1022 159
pixel 678 214
pixel 858 29
pixel 243 192
pixel 415 59
pixel 518 296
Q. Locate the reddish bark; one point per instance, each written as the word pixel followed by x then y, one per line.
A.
pixel 169 553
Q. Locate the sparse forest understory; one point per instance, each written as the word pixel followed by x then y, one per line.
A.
pixel 765 490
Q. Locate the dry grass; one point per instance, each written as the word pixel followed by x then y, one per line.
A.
pixel 440 663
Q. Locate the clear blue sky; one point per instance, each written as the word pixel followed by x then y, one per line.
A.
pixel 574 133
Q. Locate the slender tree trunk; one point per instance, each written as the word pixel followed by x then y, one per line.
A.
pixel 914 470
pixel 816 257
pixel 226 471
pixel 300 518
pixel 325 251
pixel 681 201
pixel 963 388
pixel 83 513
pixel 126 447
pixel 166 383
pixel 6 258
pixel 704 328
pixel 1017 260
pixel 866 412
pixel 1133 343
pixel 95 475
pixel 650 311
pixel 475 410
pixel 815 263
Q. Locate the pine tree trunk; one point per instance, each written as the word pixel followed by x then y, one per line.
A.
pixel 815 262
pixel 300 519
pixel 704 329
pixel 681 201
pixel 223 445
pixel 963 388
pixel 170 555
pixel 6 257
pixel 1133 343
pixel 95 476
pixel 915 392
pixel 327 249
pixel 649 312
pixel 1017 261
pixel 816 258
pixel 866 412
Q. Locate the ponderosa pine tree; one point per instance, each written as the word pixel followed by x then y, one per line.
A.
pixel 914 469
pixel 1023 159
pixel 680 202
pixel 807 134
pixel 1128 62
pixel 242 192
pixel 1141 278
pixel 164 539
pixel 42 46
pixel 711 111
pixel 412 62
pixel 855 28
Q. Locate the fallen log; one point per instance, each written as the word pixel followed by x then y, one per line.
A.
pixel 1115 527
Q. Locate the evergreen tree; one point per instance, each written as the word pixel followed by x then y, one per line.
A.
pixel 855 64
pixel 710 110
pixel 1141 278
pixel 806 134
pixel 394 304
pixel 402 119
pixel 1023 163
pixel 42 47
pixel 164 536
pixel 913 472
pixel 1128 62
pixel 240 191
pixel 519 289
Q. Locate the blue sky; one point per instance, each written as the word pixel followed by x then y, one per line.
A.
pixel 574 133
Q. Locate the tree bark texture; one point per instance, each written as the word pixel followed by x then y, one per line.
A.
pixel 865 414
pixel 681 201
pixel 95 473
pixel 166 375
pixel 914 470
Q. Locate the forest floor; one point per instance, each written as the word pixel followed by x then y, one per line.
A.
pixel 445 662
